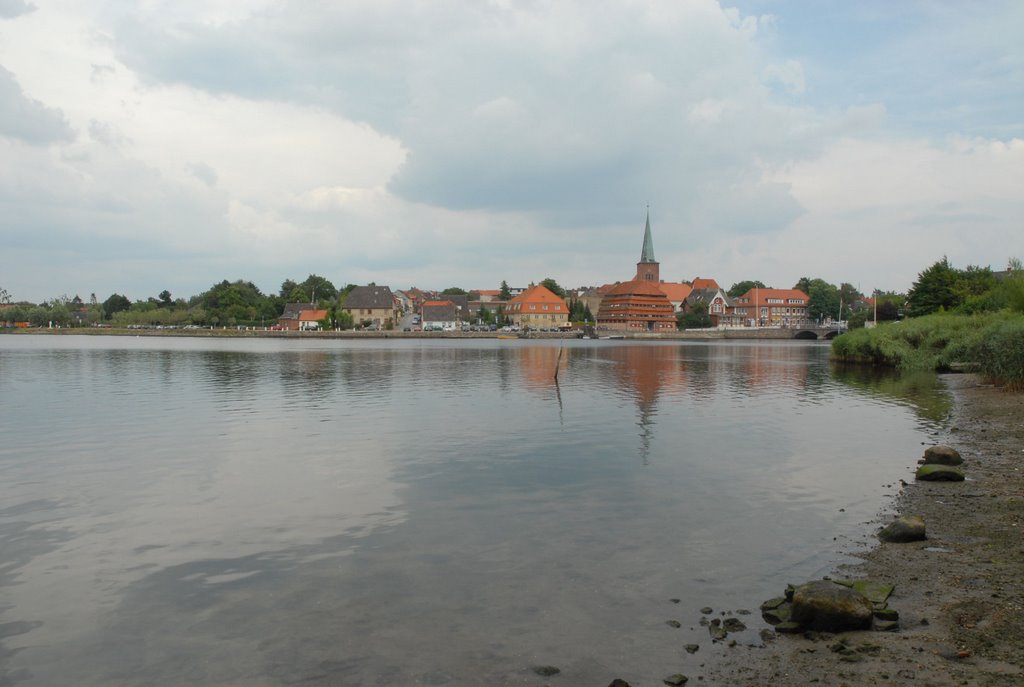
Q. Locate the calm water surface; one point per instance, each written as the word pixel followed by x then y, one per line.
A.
pixel 221 512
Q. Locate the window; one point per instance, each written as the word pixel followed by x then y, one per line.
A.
pixel 532 306
pixel 545 306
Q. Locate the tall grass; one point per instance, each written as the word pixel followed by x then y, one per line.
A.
pixel 995 341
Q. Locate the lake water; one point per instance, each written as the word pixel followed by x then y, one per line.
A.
pixel 264 512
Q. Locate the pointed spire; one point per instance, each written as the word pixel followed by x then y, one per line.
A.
pixel 647 253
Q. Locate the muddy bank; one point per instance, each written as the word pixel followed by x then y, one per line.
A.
pixel 959 594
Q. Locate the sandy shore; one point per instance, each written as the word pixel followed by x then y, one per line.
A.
pixel 960 594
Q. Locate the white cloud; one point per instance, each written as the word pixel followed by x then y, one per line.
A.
pixel 441 143
pixel 789 74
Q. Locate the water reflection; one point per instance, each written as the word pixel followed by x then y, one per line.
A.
pixel 923 392
pixel 270 513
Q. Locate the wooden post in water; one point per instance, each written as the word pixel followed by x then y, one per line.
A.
pixel 558 363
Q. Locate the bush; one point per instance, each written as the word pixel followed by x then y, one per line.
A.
pixel 936 342
pixel 999 350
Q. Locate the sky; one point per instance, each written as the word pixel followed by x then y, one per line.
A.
pixel 151 145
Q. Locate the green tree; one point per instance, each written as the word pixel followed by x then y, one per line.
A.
pixel 453 291
pixel 823 299
pixel 506 293
pixel 164 299
pixel 695 317
pixel 320 289
pixel 5 297
pixel 741 287
pixel 935 289
pixel 115 304
pixel 552 286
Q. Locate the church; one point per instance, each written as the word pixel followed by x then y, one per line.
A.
pixel 639 305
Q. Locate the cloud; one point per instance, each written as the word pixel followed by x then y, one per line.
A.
pixel 440 143
pixel 29 120
pixel 9 9
pixel 790 74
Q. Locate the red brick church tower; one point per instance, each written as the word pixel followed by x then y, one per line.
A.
pixel 647 269
pixel 639 305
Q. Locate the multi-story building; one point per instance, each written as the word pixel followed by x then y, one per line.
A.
pixel 639 305
pixel 772 307
pixel 538 308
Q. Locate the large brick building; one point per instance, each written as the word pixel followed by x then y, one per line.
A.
pixel 639 305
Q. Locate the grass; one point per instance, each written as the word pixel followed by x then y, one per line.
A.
pixel 993 341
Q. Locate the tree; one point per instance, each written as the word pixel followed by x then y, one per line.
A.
pixel 453 291
pixel 695 317
pixel 824 299
pixel 320 289
pixel 115 304
pixel 506 293
pixel 552 286
pixel 165 300
pixel 803 284
pixel 741 287
pixel 935 289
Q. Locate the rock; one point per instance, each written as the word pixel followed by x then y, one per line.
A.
pixel 877 592
pixel 788 627
pixel 717 632
pixel 692 648
pixel 707 610
pixel 939 473
pixel 766 635
pixel 904 529
pixel 886 614
pixel 676 680
pixel 941 455
pixel 546 671
pixel 618 682
pixel 772 604
pixel 733 625
pixel 886 625
pixel 780 614
pixel 830 607
pixel 673 623
pixel 675 601
pixel 789 592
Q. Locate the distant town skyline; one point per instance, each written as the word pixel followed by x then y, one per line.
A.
pixel 170 145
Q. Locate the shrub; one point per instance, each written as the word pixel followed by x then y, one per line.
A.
pixel 999 350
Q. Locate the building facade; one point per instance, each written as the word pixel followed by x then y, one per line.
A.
pixel 374 305
pixel 639 305
pixel 538 308
pixel 772 308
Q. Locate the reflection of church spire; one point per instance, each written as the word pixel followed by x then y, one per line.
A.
pixel 646 423
pixel 647 252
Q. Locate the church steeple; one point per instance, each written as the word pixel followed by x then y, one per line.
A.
pixel 647 252
pixel 647 269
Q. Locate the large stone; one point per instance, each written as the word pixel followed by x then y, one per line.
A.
pixel 941 455
pixel 830 607
pixel 939 473
pixel 906 528
pixel 780 614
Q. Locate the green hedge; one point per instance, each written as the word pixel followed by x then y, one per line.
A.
pixel 995 341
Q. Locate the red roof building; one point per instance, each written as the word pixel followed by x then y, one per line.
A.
pixel 538 308
pixel 639 305
pixel 772 307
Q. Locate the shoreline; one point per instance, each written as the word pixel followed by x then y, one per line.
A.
pixel 959 594
pixel 773 335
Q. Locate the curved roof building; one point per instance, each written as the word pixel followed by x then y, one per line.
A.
pixel 639 305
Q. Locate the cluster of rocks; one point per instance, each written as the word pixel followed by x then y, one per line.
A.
pixel 832 606
pixel 838 606
pixel 940 464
